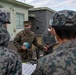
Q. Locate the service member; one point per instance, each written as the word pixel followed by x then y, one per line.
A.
pixel 63 60
pixel 24 40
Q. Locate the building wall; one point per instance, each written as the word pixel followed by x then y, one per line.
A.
pixel 39 21
pixel 49 16
pixel 44 17
pixel 13 9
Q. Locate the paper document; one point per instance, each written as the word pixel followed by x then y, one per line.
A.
pixel 27 69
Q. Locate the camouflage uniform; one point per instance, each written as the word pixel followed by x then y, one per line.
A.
pixel 48 39
pixel 22 37
pixel 10 61
pixel 63 60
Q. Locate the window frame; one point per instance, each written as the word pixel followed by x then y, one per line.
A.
pixel 19 26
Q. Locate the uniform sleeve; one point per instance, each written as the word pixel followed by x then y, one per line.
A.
pixel 45 66
pixel 17 41
pixel 11 63
pixel 15 65
pixel 37 44
pixel 43 39
pixel 53 41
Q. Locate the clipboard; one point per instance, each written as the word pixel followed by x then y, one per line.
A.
pixel 28 68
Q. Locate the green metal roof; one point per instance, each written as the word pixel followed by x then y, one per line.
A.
pixel 42 8
pixel 18 3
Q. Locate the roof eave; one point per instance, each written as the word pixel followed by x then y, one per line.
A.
pixel 18 3
pixel 42 9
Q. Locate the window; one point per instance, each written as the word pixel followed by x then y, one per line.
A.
pixel 19 20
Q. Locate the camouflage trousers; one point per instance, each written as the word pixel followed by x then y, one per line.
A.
pixel 27 54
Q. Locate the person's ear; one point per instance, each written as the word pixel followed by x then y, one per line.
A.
pixel 58 39
pixel 53 31
pixel 30 26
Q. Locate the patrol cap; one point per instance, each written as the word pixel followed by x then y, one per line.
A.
pixel 3 16
pixel 64 18
pixel 27 23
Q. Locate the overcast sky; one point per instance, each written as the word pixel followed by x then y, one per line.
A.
pixel 53 4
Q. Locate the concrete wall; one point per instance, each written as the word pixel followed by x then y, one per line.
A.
pixel 49 16
pixel 38 23
pixel 41 21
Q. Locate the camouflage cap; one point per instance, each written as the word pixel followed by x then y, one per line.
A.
pixel 64 18
pixel 27 23
pixel 3 17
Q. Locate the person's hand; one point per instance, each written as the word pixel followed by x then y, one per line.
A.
pixel 23 48
pixel 45 48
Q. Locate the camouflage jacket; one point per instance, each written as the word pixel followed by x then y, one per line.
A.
pixel 10 62
pixel 60 62
pixel 22 37
pixel 48 39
